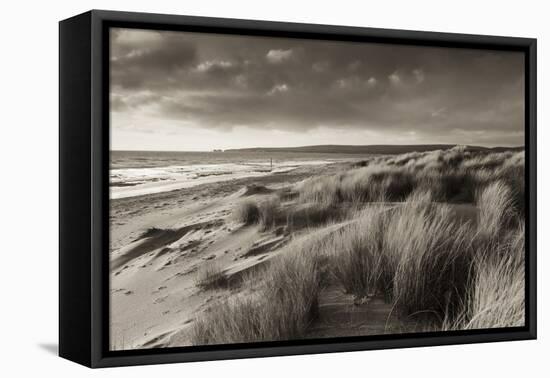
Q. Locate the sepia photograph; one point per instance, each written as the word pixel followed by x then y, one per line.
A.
pixel 276 189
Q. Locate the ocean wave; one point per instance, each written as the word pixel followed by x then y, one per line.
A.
pixel 130 182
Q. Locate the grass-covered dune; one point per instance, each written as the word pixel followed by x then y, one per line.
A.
pixel 393 230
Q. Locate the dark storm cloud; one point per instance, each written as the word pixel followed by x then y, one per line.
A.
pixel 226 81
pixel 135 65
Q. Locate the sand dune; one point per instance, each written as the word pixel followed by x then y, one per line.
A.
pixel 154 278
pixel 185 252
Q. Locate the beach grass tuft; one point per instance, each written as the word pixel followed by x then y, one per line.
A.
pixel 282 309
pixel 247 212
pixel 211 276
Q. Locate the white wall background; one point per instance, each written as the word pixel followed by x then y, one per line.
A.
pixel 29 189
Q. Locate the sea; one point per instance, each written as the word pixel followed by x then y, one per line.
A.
pixel 135 173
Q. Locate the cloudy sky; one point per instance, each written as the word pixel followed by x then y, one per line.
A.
pixel 190 91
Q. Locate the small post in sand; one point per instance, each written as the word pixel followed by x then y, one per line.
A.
pixel 271 164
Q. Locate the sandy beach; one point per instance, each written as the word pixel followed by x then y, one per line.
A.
pixel 160 242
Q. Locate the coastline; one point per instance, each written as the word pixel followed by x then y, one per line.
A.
pixel 200 229
pixel 164 206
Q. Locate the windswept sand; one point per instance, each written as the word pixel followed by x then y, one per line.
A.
pixel 159 242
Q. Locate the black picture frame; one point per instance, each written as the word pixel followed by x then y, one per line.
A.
pixel 84 202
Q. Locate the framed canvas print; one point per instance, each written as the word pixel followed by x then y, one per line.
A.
pixel 233 188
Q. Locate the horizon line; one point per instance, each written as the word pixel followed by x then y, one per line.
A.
pixel 318 145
